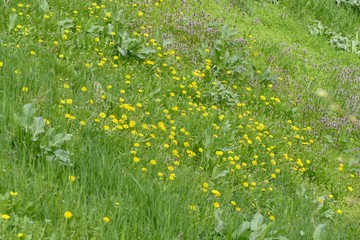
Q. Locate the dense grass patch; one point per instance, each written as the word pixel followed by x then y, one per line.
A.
pixel 178 120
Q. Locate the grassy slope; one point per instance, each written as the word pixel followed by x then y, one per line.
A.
pixel 156 207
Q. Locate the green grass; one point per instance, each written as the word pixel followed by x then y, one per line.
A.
pixel 193 129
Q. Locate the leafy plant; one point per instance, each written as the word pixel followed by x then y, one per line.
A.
pixel 225 54
pixel 50 143
pixel 132 47
pixel 336 39
pixel 256 229
pixel 222 94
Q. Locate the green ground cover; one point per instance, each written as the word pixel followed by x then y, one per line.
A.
pixel 179 119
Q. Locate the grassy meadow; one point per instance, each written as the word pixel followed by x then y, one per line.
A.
pixel 160 119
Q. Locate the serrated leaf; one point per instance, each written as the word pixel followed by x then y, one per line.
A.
pixel 44 5
pixel 319 231
pixel 220 225
pixel 38 127
pixel 12 21
pixel 59 139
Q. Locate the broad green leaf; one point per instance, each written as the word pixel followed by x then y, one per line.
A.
pixel 66 23
pixel 245 226
pixel 44 5
pixel 141 53
pixel 257 221
pixel 28 110
pixel 119 16
pixel 221 174
pixel 63 156
pixel 12 21
pixel 258 233
pixel 122 52
pixel 110 28
pixel 220 225
pixel 319 230
pixel 154 92
pixel 94 28
pixel 59 139
pixel 38 127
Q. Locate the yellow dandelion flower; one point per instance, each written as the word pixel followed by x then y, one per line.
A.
pixel 68 215
pixel 192 207
pixel 20 235
pixel 106 219
pixel 219 153
pixel 216 205
pixel 172 176
pixel 13 194
pixel 5 216
pixel 102 115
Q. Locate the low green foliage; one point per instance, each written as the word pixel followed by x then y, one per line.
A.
pixel 178 120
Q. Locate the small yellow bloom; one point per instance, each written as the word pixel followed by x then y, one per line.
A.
pixel 106 219
pixel 102 115
pixel 20 235
pixel 216 205
pixel 140 13
pixel 68 215
pixel 172 176
pixel 216 193
pixel 272 217
pixel 192 207
pixel 339 212
pixel 219 153
pixel 5 216
pixel 72 178
pixel 13 194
